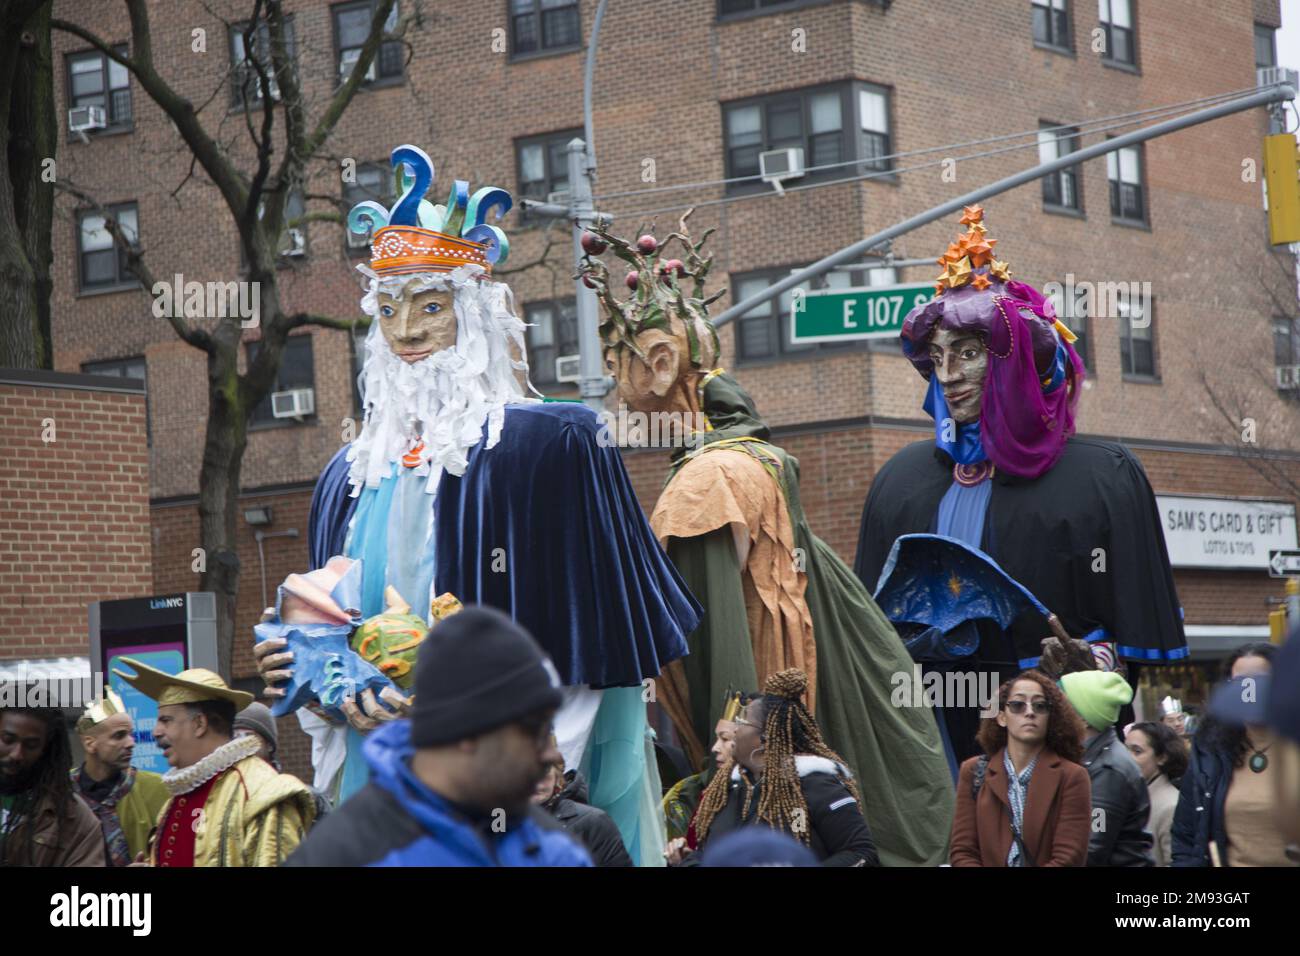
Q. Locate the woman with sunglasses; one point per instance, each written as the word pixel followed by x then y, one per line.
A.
pixel 1027 801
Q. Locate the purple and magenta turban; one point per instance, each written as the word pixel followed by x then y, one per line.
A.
pixel 1032 388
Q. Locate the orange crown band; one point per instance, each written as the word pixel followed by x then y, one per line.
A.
pixel 402 250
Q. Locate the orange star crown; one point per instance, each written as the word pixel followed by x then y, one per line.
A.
pixel 970 260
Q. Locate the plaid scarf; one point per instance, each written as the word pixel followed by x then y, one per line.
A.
pixel 1017 787
pixel 106 811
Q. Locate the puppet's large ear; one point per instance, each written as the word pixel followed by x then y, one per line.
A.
pixel 664 359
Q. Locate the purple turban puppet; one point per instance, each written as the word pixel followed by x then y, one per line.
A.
pixel 1031 386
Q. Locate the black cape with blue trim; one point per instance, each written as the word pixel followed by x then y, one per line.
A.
pixel 545 527
pixel 1049 534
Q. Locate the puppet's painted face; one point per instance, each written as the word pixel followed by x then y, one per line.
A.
pixel 961 363
pixel 416 326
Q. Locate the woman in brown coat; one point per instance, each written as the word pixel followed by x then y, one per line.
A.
pixel 1033 805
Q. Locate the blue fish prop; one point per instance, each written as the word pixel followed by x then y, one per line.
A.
pixel 325 668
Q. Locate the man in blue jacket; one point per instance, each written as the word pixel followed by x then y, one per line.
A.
pixel 451 786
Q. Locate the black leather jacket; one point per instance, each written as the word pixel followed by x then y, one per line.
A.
pixel 1120 805
pixel 591 826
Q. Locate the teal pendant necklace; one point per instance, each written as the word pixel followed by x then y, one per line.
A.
pixel 1259 761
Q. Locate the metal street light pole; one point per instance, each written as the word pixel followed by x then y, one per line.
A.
pixel 593 384
pixel 1270 94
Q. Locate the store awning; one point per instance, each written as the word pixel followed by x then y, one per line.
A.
pixel 1213 641
pixel 46 668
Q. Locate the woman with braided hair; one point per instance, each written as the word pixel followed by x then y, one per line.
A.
pixel 785 777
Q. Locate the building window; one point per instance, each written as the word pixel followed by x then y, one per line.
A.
pixel 352 29
pixel 126 368
pixel 1137 339
pixel 832 127
pixel 1127 197
pixel 95 80
pixel 1061 188
pixel 293 231
pixel 297 370
pixel 1286 355
pixel 1265 46
pixel 539 26
pixel 552 334
pixel 1074 316
pixel 733 8
pixel 1051 19
pixel 543 167
pixel 103 266
pixel 246 86
pixel 873 126
pixel 374 182
pixel 1116 18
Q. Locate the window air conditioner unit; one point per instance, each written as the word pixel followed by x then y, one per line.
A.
pixel 294 403
pixel 297 244
pixel 777 165
pixel 1288 377
pixel 83 118
pixel 1271 75
pixel 567 368
pixel 558 198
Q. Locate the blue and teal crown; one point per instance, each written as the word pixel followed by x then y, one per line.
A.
pixel 417 236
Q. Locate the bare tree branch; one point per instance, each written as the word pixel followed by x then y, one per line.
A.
pixel 327 321
pixel 215 162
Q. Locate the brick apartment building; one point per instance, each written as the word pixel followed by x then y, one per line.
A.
pixel 690 91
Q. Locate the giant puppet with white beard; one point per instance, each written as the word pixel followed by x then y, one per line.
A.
pixel 459 484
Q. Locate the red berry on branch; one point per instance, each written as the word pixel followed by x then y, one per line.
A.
pixel 675 265
pixel 632 279
pixel 592 244
pixel 586 280
pixel 647 244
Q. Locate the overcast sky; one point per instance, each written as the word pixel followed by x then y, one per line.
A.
pixel 1288 37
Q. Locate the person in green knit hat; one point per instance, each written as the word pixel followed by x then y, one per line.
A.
pixel 126 801
pixel 775 595
pixel 1120 804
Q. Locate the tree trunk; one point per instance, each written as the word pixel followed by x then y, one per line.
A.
pixel 28 136
pixel 223 457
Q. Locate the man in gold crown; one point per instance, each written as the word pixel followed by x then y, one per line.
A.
pixel 775 595
pixel 458 483
pixel 228 806
pixel 125 800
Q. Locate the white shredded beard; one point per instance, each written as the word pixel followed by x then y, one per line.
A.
pixel 442 400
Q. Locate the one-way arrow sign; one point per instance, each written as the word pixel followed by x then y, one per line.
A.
pixel 1283 563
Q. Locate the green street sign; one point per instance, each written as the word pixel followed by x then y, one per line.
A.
pixel 847 315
